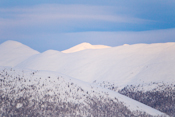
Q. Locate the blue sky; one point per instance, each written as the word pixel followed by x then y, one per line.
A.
pixel 59 25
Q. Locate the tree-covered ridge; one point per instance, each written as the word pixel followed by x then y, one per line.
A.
pixel 33 95
pixel 162 97
pixel 158 95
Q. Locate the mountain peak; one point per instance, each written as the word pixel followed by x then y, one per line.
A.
pixel 13 52
pixel 84 46
pixel 11 44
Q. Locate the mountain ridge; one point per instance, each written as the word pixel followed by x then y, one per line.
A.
pixel 13 53
pixel 123 62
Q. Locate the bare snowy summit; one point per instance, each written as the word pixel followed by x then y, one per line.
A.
pixel 84 46
pixel 125 44
pixel 10 44
pixel 13 53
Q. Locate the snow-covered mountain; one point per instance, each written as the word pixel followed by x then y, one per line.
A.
pixel 84 46
pixel 144 72
pixel 122 65
pixel 43 93
pixel 13 53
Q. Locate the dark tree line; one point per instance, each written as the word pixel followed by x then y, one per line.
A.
pixel 162 99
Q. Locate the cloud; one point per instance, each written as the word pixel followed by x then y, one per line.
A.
pixel 62 15
pixel 128 37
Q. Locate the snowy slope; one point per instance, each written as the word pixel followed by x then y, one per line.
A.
pixel 122 65
pixel 84 46
pixel 13 53
pixel 34 93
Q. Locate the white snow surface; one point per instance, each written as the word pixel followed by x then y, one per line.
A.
pixel 84 46
pixel 42 76
pixel 121 65
pixel 13 53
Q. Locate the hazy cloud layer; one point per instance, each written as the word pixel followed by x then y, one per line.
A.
pixel 62 16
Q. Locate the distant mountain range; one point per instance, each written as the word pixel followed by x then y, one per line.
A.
pixel 144 72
